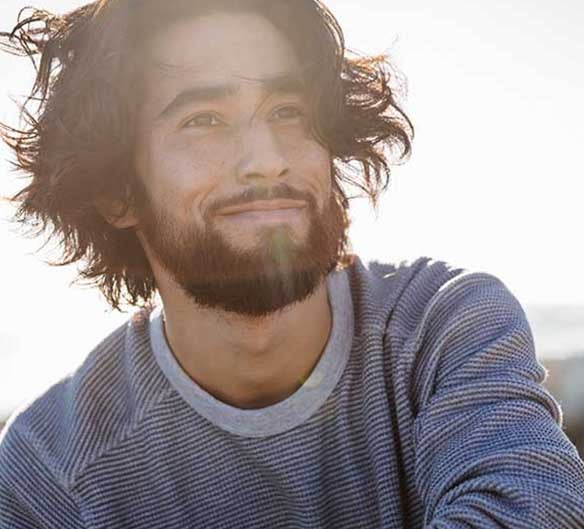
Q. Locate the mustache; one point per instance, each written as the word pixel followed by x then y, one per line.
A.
pixel 281 191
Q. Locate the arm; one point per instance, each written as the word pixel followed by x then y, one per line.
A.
pixel 30 496
pixel 490 451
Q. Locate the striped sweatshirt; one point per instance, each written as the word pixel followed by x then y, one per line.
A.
pixel 426 410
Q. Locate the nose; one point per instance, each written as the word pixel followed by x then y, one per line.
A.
pixel 261 156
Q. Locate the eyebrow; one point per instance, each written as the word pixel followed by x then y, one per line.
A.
pixel 289 83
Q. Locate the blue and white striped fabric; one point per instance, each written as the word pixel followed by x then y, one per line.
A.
pixel 438 420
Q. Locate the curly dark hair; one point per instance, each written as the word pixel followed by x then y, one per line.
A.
pixel 76 144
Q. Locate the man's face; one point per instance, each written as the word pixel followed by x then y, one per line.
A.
pixel 239 211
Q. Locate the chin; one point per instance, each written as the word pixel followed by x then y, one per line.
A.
pixel 266 238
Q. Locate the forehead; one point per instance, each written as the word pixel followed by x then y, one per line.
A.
pixel 219 47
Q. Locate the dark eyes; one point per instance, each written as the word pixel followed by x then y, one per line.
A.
pixel 203 120
pixel 288 112
pixel 210 120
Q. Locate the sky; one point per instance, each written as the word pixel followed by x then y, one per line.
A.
pixel 495 182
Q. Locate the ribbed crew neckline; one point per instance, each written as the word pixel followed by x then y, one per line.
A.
pixel 284 415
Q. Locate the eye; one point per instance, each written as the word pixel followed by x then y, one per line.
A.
pixel 288 112
pixel 203 120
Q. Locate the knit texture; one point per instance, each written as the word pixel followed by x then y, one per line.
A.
pixel 438 421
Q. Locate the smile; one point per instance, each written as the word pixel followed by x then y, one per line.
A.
pixel 263 206
pixel 275 211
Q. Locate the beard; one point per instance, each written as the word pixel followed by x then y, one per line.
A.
pixel 280 269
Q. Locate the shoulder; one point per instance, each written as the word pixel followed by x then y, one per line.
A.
pixel 90 410
pixel 408 298
pixel 438 324
pixel 448 324
pixel 398 291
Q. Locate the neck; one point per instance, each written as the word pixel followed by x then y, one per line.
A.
pixel 248 362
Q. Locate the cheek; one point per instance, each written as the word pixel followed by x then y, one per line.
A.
pixel 183 171
pixel 312 162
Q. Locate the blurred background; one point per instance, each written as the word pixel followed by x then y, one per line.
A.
pixel 495 182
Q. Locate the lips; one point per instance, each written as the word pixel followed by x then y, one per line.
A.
pixel 262 205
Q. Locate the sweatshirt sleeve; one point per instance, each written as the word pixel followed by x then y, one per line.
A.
pixel 490 452
pixel 30 496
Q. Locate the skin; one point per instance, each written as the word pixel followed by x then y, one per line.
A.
pixel 207 151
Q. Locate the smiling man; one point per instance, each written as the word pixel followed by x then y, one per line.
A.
pixel 202 151
pixel 238 219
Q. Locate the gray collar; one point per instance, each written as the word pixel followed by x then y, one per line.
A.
pixel 284 415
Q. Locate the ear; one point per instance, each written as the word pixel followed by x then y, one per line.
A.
pixel 118 213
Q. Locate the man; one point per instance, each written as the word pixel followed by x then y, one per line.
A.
pixel 197 149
